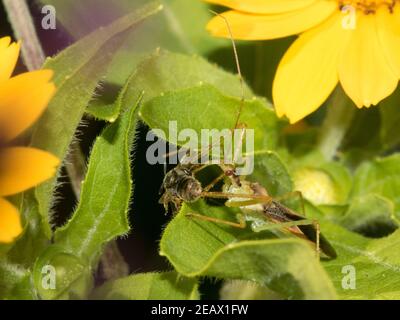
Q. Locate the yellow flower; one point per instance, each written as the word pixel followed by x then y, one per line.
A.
pixel 22 100
pixel 354 42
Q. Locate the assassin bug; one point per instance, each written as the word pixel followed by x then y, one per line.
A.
pixel 256 205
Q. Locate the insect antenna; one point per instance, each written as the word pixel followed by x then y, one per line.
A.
pixel 242 88
pixel 239 71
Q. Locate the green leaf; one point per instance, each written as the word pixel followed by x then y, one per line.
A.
pixel 149 286
pixel 205 107
pixel 164 71
pixel 71 275
pixel 101 214
pixel 271 172
pixel 78 70
pixel 370 215
pixel 376 264
pixel 201 248
pixel 380 177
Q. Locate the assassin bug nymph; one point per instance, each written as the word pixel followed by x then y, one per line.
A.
pixel 256 205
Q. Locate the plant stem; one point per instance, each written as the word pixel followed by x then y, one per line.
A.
pixel 24 29
pixel 338 120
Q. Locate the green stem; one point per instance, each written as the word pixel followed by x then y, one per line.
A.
pixel 24 29
pixel 336 124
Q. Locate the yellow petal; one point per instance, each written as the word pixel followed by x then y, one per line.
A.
pixel 10 222
pixel 8 57
pixel 389 34
pixel 264 6
pixel 22 100
pixel 247 26
pixel 23 168
pixel 364 72
pixel 307 74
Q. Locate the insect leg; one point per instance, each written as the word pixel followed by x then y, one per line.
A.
pixel 317 236
pixel 244 203
pixel 241 224
pixel 304 222
pixel 223 195
pixel 214 182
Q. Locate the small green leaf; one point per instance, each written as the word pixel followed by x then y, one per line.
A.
pixel 149 286
pixel 370 215
pixel 205 107
pixel 61 275
pixel 380 177
pixel 78 70
pixel 201 248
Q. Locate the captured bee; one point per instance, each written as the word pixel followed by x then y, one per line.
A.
pixel 180 185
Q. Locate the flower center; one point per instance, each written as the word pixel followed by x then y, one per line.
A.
pixel 366 6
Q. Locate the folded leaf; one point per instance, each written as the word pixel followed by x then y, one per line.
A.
pixel 101 215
